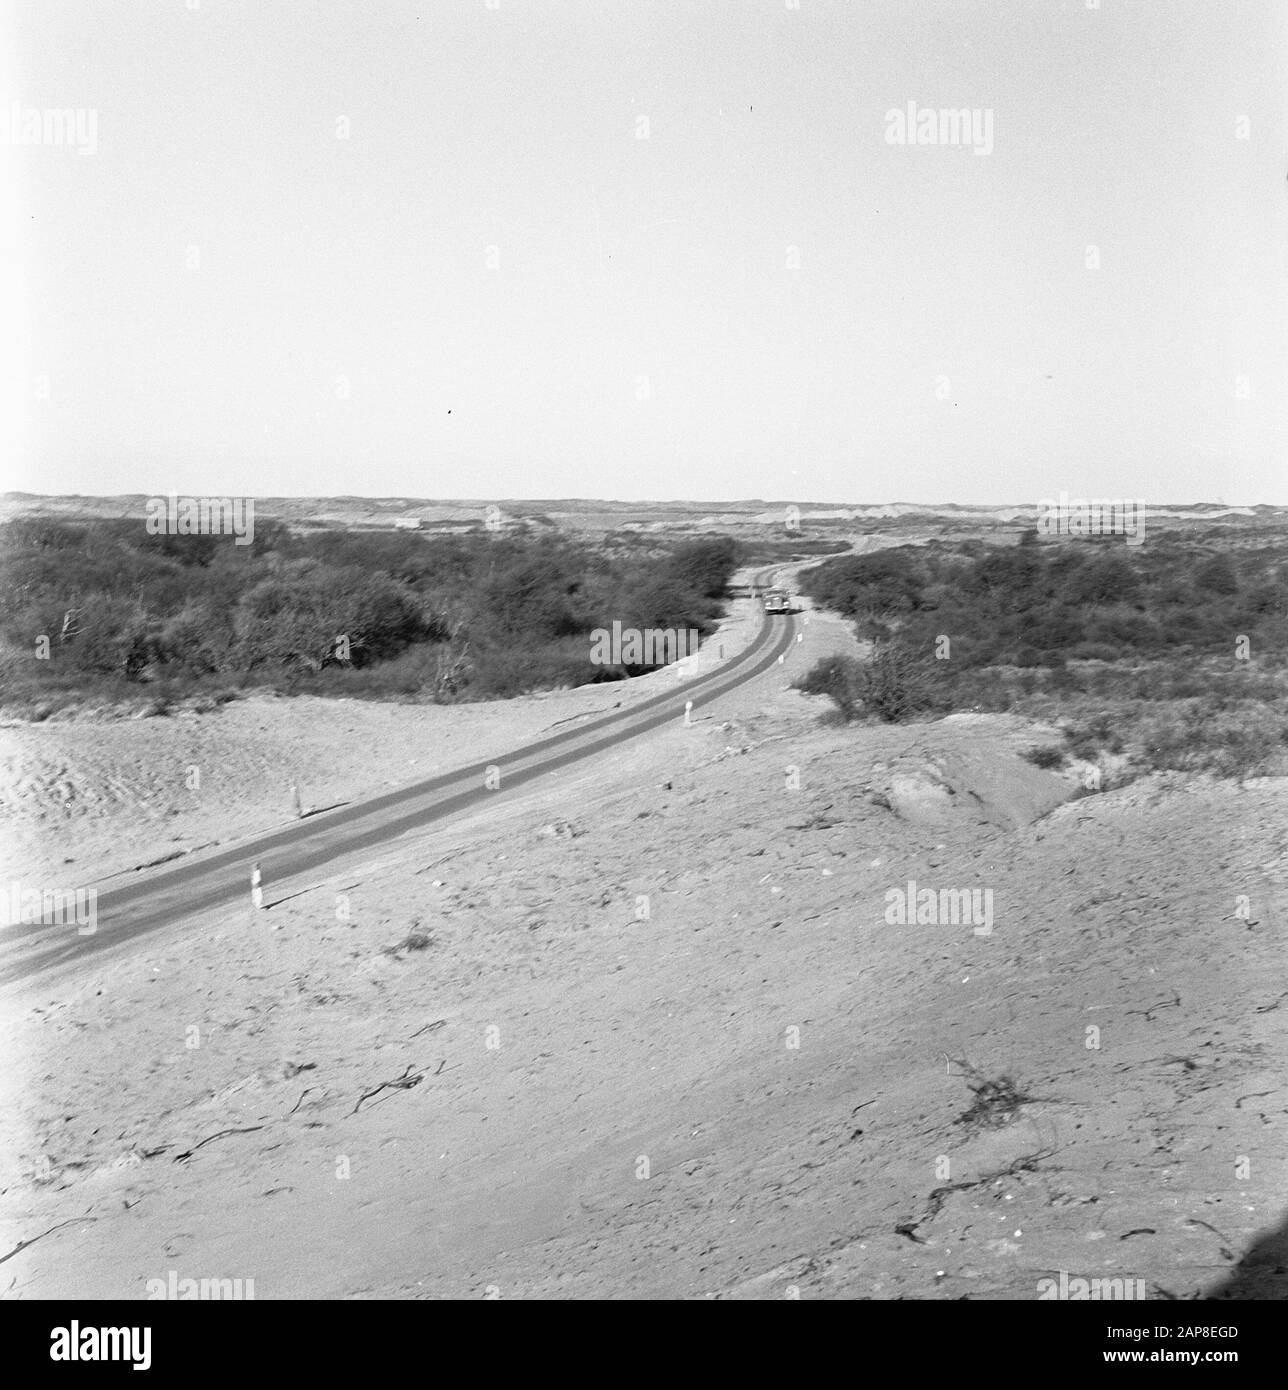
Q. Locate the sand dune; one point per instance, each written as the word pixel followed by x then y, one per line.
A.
pixel 646 1030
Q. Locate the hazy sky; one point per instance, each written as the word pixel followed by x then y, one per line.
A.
pixel 494 287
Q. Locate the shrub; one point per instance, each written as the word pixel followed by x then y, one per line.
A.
pixel 705 565
pixel 836 677
pixel 462 616
pixel 1217 576
pixel 895 683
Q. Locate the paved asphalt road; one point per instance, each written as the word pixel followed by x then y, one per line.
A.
pixel 201 882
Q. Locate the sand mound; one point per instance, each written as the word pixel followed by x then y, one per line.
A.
pixel 970 786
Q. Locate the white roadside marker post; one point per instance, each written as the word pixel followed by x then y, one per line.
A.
pixel 688 714
pixel 256 891
pixel 296 805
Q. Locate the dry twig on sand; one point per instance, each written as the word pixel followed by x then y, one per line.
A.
pixel 405 1082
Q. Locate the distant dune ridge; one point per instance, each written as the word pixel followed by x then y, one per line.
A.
pixel 587 513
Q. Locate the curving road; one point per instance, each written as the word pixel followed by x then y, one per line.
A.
pixel 201 882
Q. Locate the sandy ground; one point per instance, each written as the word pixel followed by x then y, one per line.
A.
pixel 644 1030
pixel 83 799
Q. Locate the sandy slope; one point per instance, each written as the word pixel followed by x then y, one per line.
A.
pixel 81 799
pixel 608 1104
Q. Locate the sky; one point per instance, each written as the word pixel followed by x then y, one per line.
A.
pixel 508 249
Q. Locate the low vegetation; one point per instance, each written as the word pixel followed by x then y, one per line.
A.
pixel 1170 655
pixel 100 612
pixel 995 1100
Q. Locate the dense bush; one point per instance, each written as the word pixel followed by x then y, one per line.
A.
pixel 1088 600
pixel 897 682
pixel 894 683
pixel 838 678
pixel 1137 650
pixel 377 613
